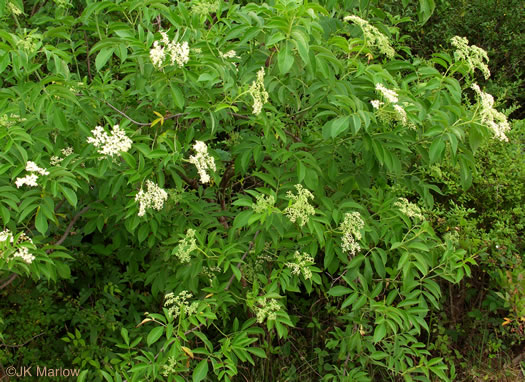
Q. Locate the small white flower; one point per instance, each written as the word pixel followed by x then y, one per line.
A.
pixel 55 161
pixel 258 92
pixel 411 210
pixel 178 304
pixel 32 167
pixel 267 309
pixel 493 119
pixel 6 235
pixel 376 103
pixel 401 114
pixel 263 203
pixel 349 244
pixel 179 53
pixel 153 198
pixel 351 227
pixel 372 36
pixel 29 180
pixel 301 265
pixel 157 55
pixel 186 246
pixel 300 207
pixel 25 255
pixel 202 160
pixel 110 145
pixel 229 54
pixel 390 95
pixel 67 151
pixel 474 56
pixel 14 9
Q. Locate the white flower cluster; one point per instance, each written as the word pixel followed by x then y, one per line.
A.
pixel 351 226
pixel 372 36
pixel 300 207
pixel 263 203
pixel 157 55
pixel 6 235
pixel 186 246
pixel 179 53
pixel 62 3
pixel 32 167
pixel 153 198
pixel 22 252
pixel 170 368
pixel 202 160
pixel 495 120
pixel 258 92
pixel 178 304
pixel 392 97
pixel 473 55
pixel 212 271
pixel 229 54
pixel 10 120
pixel 30 179
pixel 29 42
pixel 409 209
pixel 267 309
pixel 14 9
pixel 204 7
pixel 25 255
pixel 401 114
pixel 56 160
pixel 301 264
pixel 107 144
pixel 376 103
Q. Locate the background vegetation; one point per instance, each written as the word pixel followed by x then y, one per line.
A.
pixel 333 240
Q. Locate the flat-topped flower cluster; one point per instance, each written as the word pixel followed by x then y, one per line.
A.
pixel 186 246
pixel 203 161
pixel 258 92
pixel 301 265
pixel 176 305
pixel 178 52
pixel 490 117
pixel 110 144
pixel 391 97
pixel 410 210
pixel 154 198
pixel 300 207
pixel 351 227
pixel 372 36
pixel 22 252
pixel 30 179
pixel 473 55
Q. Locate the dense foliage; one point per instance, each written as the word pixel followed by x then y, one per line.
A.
pixel 211 190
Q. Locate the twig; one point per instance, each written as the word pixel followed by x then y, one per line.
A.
pixel 294 137
pixel 87 59
pixel 71 223
pixel 191 182
pixel 35 9
pixel 242 259
pixel 125 115
pixel 24 344
pixel 136 122
pixel 9 280
pixel 240 116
